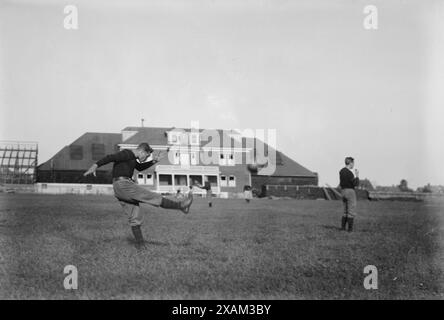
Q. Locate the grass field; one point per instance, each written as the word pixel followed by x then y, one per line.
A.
pixel 268 249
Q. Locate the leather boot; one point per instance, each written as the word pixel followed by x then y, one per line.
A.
pixel 137 232
pixel 343 223
pixel 182 204
pixel 350 224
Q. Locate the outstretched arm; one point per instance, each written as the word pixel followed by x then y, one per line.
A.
pixel 145 165
pixel 116 157
pixel 91 170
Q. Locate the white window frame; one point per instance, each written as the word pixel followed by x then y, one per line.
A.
pixel 230 161
pixel 149 181
pixel 232 183
pixel 223 181
pixel 140 178
pixel 176 158
pixel 196 136
pixel 181 138
pixel 173 138
pixel 194 158
pixel 222 159
pixel 184 158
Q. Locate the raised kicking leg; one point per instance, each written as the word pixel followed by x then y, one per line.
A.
pixel 127 190
pixel 130 195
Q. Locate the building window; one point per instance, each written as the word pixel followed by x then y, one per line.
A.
pixel 165 180
pixel 185 159
pixel 140 178
pixel 180 180
pixel 195 179
pixel 232 181
pixel 76 152
pixel 176 159
pixel 149 179
pixel 230 159
pixel 194 138
pixel 226 159
pixel 194 158
pixel 98 151
pixel 222 160
pixel 212 180
pixel 172 137
pixel 223 181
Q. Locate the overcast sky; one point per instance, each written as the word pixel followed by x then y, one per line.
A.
pixel 305 68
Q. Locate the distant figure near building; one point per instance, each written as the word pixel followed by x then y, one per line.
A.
pixel 206 186
pixel 349 179
pixel 179 193
pixel 248 194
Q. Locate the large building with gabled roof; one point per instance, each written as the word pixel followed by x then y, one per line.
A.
pixel 224 157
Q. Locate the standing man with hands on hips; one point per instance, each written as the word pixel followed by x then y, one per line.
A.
pixel 349 179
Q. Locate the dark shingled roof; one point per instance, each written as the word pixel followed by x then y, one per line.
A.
pixel 157 136
pixel 62 159
pixel 285 166
pixel 153 136
pixel 289 167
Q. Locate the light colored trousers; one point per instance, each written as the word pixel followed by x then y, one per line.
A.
pixel 209 195
pixel 130 195
pixel 349 200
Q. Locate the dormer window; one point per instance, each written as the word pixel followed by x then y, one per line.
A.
pixel 230 159
pixel 173 137
pixel 226 159
pixel 194 138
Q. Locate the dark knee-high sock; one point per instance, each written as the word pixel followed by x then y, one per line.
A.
pixel 343 222
pixel 137 232
pixel 350 224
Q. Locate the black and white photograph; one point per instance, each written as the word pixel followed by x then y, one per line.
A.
pixel 198 151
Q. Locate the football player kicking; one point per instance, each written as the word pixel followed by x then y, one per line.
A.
pixel 129 194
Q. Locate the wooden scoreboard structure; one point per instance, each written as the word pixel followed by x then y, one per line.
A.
pixel 18 162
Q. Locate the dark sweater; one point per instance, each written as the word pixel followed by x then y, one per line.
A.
pixel 205 186
pixel 347 179
pixel 124 163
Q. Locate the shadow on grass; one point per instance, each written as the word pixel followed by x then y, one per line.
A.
pixel 132 241
pixel 332 227
pixel 355 229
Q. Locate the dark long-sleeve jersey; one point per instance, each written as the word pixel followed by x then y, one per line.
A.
pixel 205 186
pixel 124 163
pixel 347 179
